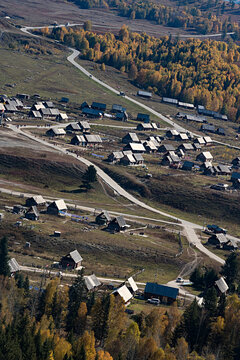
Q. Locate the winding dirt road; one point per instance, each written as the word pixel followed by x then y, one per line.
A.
pixel 188 226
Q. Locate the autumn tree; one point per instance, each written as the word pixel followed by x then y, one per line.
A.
pixel 81 319
pixel 49 295
pixel 84 347
pixel 181 350
pixel 124 33
pixel 62 348
pixel 103 355
pixel 133 71
pixel 147 348
pixel 60 306
pixel 87 25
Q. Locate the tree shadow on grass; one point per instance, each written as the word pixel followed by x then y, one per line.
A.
pixel 81 189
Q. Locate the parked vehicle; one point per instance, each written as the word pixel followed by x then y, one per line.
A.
pixel 215 229
pixel 153 301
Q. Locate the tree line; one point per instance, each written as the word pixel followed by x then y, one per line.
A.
pixel 68 323
pixel 200 72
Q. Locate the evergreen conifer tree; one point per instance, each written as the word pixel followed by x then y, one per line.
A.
pixel 77 294
pixel 4 267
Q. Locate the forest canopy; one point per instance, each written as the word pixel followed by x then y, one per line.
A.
pixel 200 72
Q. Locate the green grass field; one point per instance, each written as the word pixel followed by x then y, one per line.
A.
pixel 52 77
pixel 107 255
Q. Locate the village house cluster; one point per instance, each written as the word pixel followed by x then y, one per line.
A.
pixel 200 109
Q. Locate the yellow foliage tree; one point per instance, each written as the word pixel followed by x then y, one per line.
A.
pixel 103 355
pixel 51 356
pixel 49 295
pixel 85 345
pixel 182 349
pixel 61 348
pixel 81 318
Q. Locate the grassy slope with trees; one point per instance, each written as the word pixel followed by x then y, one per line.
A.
pixel 67 323
pixel 200 16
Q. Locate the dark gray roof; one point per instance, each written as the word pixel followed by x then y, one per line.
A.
pixel 168 147
pixel 54 112
pixel 144 126
pixel 197 146
pixel 181 114
pixel 195 118
pixel 84 125
pixel 16 102
pixel 91 282
pixel 117 155
pixel 121 221
pixel 132 136
pixel 93 138
pixel 39 200
pixel 78 139
pixel 34 210
pixel 118 108
pixel 74 126
pixel 76 256
pixel 207 127
pixel 187 105
pixel 56 131
pixel 222 285
pixel 46 112
pixel 173 157
pixel 10 107
pixel 150 145
pixel 187 146
pixel 170 100
pixel 128 158
pixel 221 238
pixel 224 168
pixel 58 204
pixel 206 112
pixel 220 116
pixel 133 284
pixel 13 265
pixel 105 213
pixel 138 157
pixel 144 93
pixel 233 243
pixel 135 147
pixel 36 114
pixel 48 104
